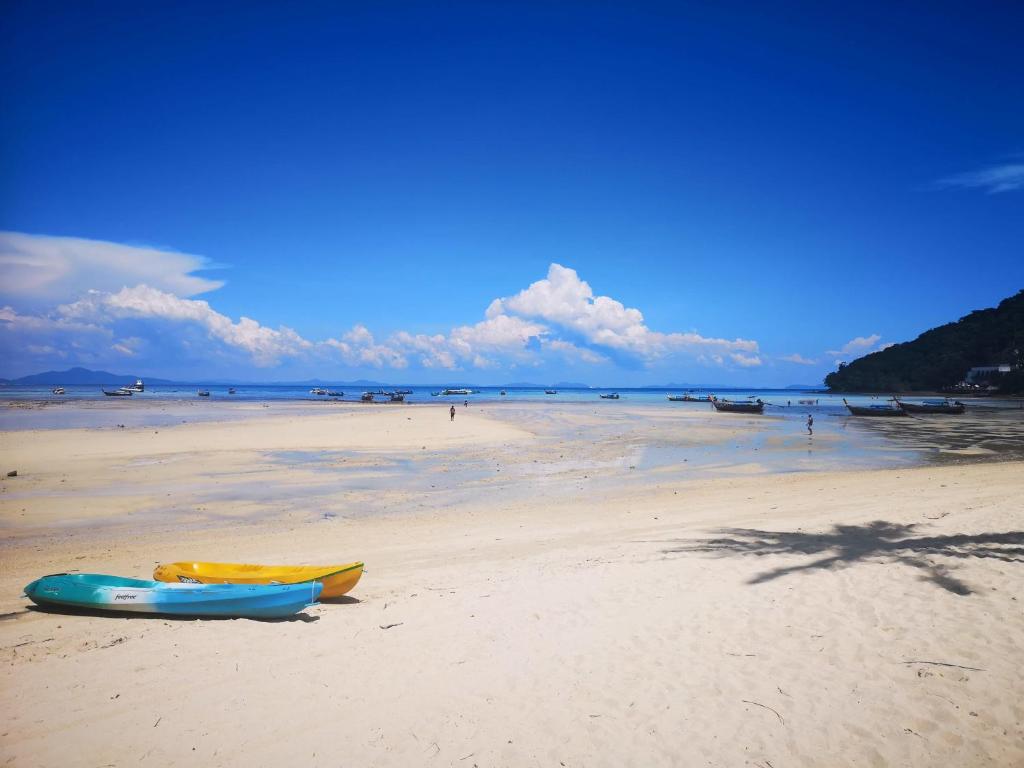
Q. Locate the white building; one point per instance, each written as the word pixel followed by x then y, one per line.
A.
pixel 984 372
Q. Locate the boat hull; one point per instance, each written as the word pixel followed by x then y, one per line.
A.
pixel 952 410
pixel 858 410
pixel 754 408
pixel 337 580
pixel 100 592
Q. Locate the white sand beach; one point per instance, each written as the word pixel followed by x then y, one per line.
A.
pixel 534 595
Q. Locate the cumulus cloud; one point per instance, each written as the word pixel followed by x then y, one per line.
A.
pixel 358 347
pixel 745 361
pixel 41 270
pixel 1007 177
pixel 97 300
pixel 567 302
pixel 569 351
pixel 266 346
pixel 799 359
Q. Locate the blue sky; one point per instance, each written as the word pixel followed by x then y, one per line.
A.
pixel 613 193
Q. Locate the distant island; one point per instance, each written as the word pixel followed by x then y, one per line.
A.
pixel 983 349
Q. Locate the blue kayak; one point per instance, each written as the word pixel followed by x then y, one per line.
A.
pixel 96 591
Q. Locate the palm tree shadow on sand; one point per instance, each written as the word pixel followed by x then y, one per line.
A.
pixel 878 541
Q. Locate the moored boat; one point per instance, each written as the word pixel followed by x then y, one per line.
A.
pixel 366 397
pixel 456 391
pixel 503 392
pixel 337 580
pixel 332 393
pixel 203 393
pixel 945 406
pixel 676 398
pixel 122 392
pixel 231 390
pixel 612 396
pixel 731 407
pixel 58 390
pixel 550 391
pixel 94 591
pixel 318 391
pixel 138 386
pixel 396 397
pixel 873 410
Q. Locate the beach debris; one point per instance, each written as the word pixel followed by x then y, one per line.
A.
pixel 764 706
pixel 941 664
pixel 13 473
pixel 389 626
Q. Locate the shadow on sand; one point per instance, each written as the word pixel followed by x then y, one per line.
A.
pixel 878 541
pixel 67 610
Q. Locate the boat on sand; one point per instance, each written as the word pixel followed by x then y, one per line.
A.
pixel 337 580
pixel 945 406
pixel 874 410
pixel 100 592
pixel 731 407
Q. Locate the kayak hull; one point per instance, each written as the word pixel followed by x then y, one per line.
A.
pixel 337 580
pixel 100 592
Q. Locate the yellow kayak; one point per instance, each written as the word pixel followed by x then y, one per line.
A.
pixel 337 579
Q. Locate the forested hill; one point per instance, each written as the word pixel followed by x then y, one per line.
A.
pixel 942 356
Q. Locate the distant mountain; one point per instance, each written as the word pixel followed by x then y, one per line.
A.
pixel 942 356
pixel 80 377
pixel 803 386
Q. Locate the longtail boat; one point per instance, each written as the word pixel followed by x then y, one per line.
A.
pixel 730 407
pixel 100 592
pixel 336 579
pixel 612 396
pixel 873 410
pixel 933 406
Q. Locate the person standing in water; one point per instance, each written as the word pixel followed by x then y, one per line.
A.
pixel 810 424
pixel 451 413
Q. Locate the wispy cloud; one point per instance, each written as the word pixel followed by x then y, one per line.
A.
pixel 994 179
pixel 799 359
pixel 43 270
pixel 856 347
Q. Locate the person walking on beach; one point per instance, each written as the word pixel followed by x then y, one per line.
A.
pixel 452 413
pixel 465 403
pixel 810 424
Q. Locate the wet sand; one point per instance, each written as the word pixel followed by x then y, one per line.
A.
pixel 561 584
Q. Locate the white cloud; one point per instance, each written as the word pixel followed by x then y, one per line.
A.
pixel 745 361
pixel 358 347
pixel 857 346
pixel 994 179
pixel 41 270
pixel 566 301
pixel 799 359
pixel 128 347
pixel 573 353
pixel 106 300
pixel 266 346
